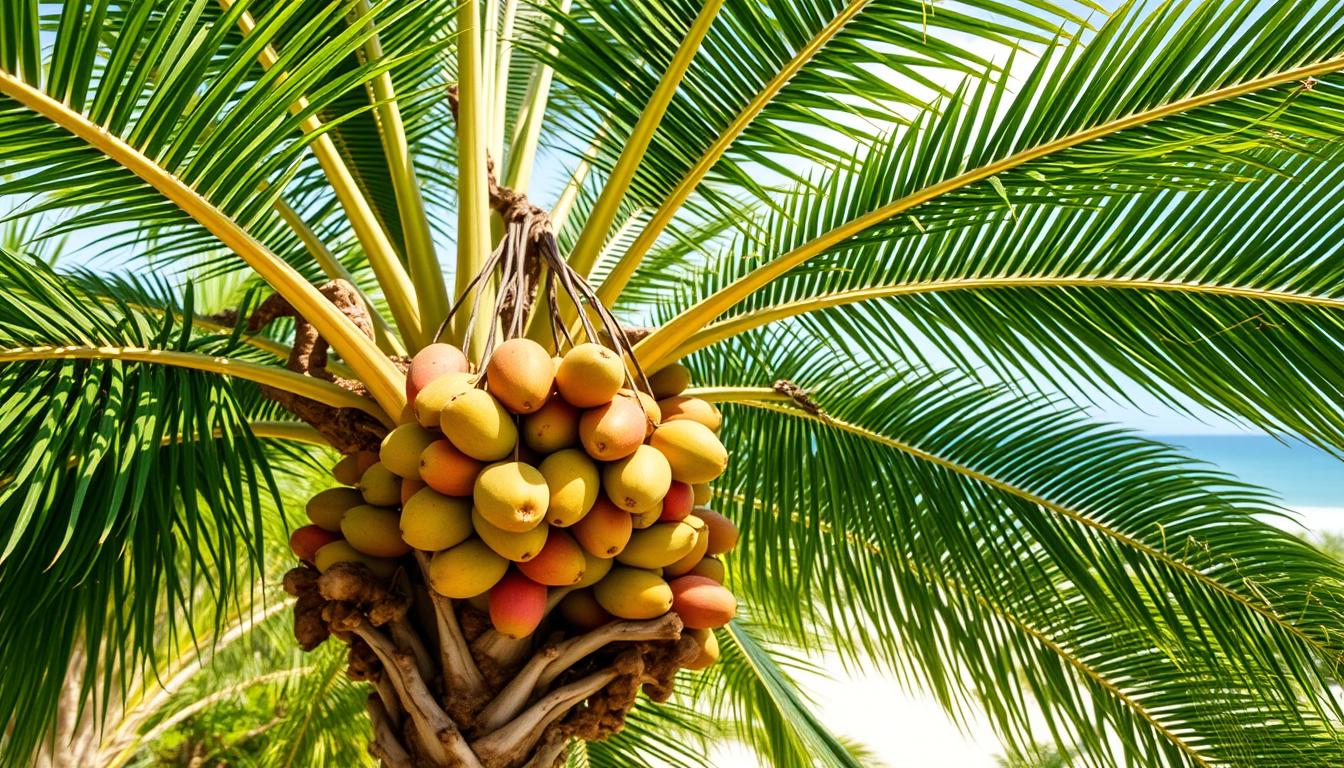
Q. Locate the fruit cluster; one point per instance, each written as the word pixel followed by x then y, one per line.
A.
pixel 542 483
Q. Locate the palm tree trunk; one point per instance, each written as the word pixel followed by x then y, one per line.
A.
pixel 448 691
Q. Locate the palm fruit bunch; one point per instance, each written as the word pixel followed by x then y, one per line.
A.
pixel 542 486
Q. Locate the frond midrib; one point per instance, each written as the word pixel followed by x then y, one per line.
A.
pixel 746 321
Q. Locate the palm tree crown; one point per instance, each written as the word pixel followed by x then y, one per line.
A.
pixel 902 245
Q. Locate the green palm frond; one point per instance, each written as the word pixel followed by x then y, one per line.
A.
pixel 1190 294
pixel 1079 127
pixel 113 502
pixel 995 553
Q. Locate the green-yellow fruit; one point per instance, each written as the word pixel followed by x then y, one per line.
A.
pixel 594 569
pixel 553 427
pixel 520 374
pixel 634 594
pixel 659 545
pixel 512 495
pixel 346 471
pixel 639 481
pixel 572 480
pixel 467 570
pixel 697 553
pixel 374 531
pixel 326 507
pixel 711 568
pixel 518 547
pixel 670 381
pixel 430 401
pixel 479 426
pixel 709 648
pixel 605 530
pixel 703 493
pixel 693 409
pixel 342 552
pixel 431 521
pixel 589 375
pixel 380 486
pixel 402 447
pixel 692 450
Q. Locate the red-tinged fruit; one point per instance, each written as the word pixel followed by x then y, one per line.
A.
pixel 517 605
pixel 702 603
pixel 613 431
pixel 605 530
pixel 304 542
pixel 448 470
pixel 431 362
pixel 723 533
pixel 589 375
pixel 678 502
pixel 410 486
pixel 560 563
pixel 520 375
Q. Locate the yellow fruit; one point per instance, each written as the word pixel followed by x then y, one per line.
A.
pixel 697 553
pixel 431 400
pixel 326 507
pixel 632 593
pixel 594 569
pixel 642 520
pixel 518 547
pixel 380 487
pixel 693 409
pixel 517 605
pixel 430 363
pixel 467 570
pixel 479 426
pixel 670 381
pixel 703 493
pixel 342 552
pixel 639 481
pixel 431 521
pixel 374 531
pixel 572 480
pixel 581 610
pixel 659 545
pixel 709 649
pixel 402 447
pixel 710 568
pixel 448 470
pixel 589 375
pixel 605 530
pixel 560 563
pixel 553 427
pixel 613 431
pixel 512 495
pixel 723 533
pixel 520 375
pixel 692 450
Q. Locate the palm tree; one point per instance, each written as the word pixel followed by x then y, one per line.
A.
pixel 903 246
